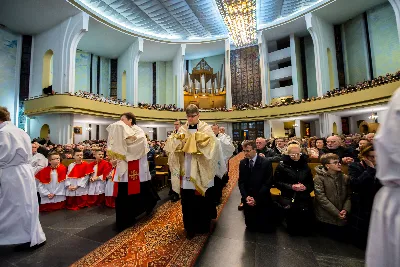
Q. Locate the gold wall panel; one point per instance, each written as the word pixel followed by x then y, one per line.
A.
pixel 79 105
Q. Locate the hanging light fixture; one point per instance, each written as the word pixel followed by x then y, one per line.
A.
pixel 374 116
pixel 240 19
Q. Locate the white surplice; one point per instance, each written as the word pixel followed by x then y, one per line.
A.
pixel 19 208
pixel 98 186
pixel 54 187
pixel 383 249
pixel 38 162
pixel 226 145
pixel 81 183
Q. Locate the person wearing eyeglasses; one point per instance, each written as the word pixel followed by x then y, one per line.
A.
pixel 364 185
pixel 255 181
pixel 332 197
pixel 295 180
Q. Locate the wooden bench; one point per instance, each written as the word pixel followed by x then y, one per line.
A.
pixel 162 172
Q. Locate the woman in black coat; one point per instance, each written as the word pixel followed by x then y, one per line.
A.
pixel 364 186
pixel 294 178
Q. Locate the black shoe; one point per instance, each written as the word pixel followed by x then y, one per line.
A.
pixel 175 198
pixel 240 207
pixel 190 235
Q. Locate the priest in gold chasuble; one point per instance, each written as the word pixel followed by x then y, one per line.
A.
pixel 195 158
pixel 127 148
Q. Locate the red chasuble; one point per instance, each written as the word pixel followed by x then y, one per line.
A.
pixel 44 175
pixel 133 179
pixel 103 168
pixel 80 170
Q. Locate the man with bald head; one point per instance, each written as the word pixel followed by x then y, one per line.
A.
pixel 333 144
pixel 266 152
pixel 370 137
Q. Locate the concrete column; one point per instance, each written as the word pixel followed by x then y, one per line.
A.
pixel 297 76
pixel 63 40
pixel 267 129
pixel 129 62
pixel 396 7
pixel 277 128
pixel 328 122
pixel 264 69
pixel 323 37
pixel 297 128
pixel 178 69
pixel 228 73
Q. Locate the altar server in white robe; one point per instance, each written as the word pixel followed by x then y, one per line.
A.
pixel 227 149
pixel 97 182
pixel 195 159
pixel 127 148
pixel 383 249
pixel 19 209
pixel 38 161
pixel 51 184
pixel 109 200
pixel 77 182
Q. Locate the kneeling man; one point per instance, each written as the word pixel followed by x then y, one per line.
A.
pixel 255 180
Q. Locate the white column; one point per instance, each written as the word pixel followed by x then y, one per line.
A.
pixel 63 40
pixel 228 73
pixel 297 78
pixel 129 62
pixel 326 124
pixel 264 69
pixel 277 128
pixel 297 129
pixel 323 37
pixel 267 129
pixel 396 7
pixel 178 70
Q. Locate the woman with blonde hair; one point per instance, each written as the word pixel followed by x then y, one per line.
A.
pixel 294 178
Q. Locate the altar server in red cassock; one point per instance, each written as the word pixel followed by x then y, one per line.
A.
pixel 77 182
pixel 51 184
pixel 127 147
pixel 109 191
pixel 97 182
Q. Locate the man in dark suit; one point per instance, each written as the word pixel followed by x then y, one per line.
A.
pixel 255 180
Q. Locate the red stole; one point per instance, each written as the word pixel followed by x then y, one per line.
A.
pixel 103 168
pixel 133 179
pixel 44 175
pixel 80 170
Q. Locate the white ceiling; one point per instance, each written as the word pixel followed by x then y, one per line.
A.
pixel 32 17
pixel 156 51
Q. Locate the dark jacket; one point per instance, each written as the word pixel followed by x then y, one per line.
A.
pixel 364 186
pixel 332 194
pixel 290 172
pixel 256 182
pixel 342 152
pixel 270 154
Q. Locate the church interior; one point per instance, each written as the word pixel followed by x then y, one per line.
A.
pixel 279 71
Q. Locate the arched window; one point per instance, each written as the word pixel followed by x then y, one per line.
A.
pixel 44 131
pixel 47 72
pixel 123 93
pixel 334 128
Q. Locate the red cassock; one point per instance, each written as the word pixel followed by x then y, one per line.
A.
pixel 44 177
pixel 103 169
pixel 78 199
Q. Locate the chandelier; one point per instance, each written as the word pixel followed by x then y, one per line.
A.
pixel 373 116
pixel 240 19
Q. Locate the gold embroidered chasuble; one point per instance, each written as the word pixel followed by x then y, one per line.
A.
pixel 207 158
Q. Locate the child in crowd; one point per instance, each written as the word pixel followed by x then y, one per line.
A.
pixel 76 182
pixel 51 184
pixel 97 183
pixel 109 192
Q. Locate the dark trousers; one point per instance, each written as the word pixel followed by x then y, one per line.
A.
pixel 339 233
pixel 197 211
pixel 259 218
pixel 299 221
pixel 128 207
pixel 217 188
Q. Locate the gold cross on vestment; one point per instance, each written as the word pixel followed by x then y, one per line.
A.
pixel 133 175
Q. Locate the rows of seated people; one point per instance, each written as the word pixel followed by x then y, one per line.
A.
pixel 388 78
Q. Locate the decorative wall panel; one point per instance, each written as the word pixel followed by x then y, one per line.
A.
pixel 245 76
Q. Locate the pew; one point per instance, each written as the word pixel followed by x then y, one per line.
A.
pixel 162 171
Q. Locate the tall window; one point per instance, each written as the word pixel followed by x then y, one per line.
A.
pixel 47 72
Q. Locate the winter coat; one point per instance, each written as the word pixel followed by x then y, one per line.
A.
pixel 270 154
pixel 290 172
pixel 332 195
